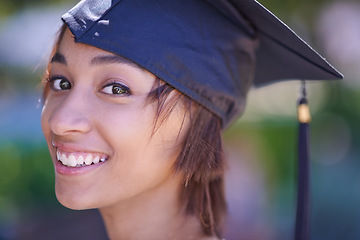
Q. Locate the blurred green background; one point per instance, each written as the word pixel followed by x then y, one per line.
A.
pixel 261 145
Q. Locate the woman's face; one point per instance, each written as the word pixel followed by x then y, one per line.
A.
pixel 98 127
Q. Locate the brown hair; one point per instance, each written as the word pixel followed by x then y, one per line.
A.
pixel 201 160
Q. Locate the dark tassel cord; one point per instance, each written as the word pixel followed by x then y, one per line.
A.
pixel 302 225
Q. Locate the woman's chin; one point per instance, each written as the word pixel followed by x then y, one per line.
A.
pixel 74 200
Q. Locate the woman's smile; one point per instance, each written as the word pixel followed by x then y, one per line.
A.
pixel 77 162
pixel 79 159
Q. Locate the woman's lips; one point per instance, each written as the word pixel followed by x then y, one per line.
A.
pixel 74 163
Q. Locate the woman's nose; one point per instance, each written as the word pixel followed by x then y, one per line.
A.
pixel 71 116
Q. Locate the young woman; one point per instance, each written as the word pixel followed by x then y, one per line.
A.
pixel 136 95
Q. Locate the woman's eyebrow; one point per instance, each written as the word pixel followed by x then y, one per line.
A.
pixel 109 59
pixel 58 58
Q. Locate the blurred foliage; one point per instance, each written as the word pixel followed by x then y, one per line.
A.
pixel 18 80
pixel 26 179
pixel 9 7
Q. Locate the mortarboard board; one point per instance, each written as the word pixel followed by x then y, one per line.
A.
pixel 213 51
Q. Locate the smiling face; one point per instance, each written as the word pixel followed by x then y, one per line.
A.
pixel 98 125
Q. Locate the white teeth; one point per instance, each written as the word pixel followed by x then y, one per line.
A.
pixel 88 159
pixel 96 160
pixel 80 160
pixel 64 159
pixel 73 161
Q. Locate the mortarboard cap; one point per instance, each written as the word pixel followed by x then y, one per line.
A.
pixel 212 51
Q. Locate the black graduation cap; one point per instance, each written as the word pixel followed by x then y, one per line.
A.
pixel 213 51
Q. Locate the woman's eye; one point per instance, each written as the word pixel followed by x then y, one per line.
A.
pixel 60 83
pixel 116 88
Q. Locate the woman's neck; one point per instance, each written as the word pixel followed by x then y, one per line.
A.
pixel 155 214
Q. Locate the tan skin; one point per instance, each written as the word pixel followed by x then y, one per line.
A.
pixel 97 106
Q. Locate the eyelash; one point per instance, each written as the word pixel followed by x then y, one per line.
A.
pixel 117 88
pixel 120 87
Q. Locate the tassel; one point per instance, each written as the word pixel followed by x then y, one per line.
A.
pixel 302 225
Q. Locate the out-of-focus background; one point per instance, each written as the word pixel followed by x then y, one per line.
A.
pixel 261 145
